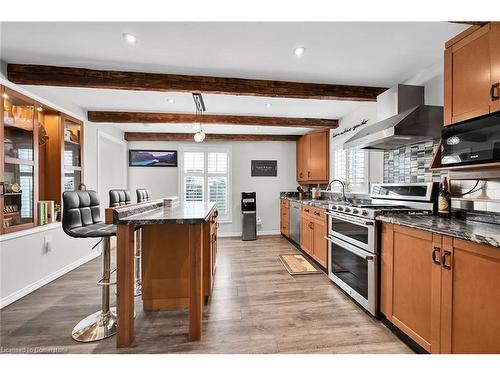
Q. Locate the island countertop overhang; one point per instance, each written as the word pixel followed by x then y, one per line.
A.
pixel 155 213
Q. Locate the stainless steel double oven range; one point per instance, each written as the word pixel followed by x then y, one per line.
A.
pixel 353 241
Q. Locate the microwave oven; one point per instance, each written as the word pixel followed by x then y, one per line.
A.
pixel 471 142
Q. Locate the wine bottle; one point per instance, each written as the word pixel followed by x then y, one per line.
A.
pixel 444 199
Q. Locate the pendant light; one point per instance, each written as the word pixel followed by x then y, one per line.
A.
pixel 199 135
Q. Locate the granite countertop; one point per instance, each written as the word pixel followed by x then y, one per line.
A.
pixel 482 233
pixel 311 202
pixel 155 213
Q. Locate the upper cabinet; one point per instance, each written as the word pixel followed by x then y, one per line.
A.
pixel 472 74
pixel 313 157
pixel 19 156
pixel 41 152
pixel 73 152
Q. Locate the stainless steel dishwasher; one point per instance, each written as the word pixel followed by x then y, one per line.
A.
pixel 295 219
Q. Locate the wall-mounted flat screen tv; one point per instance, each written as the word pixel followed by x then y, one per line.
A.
pixel 152 158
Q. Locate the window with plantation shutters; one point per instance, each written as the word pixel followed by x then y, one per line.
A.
pixel 205 175
pixel 350 166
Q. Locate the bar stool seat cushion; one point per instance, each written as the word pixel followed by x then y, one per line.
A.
pixel 82 215
pixel 94 230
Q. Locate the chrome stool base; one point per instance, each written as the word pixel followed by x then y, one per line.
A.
pixel 95 327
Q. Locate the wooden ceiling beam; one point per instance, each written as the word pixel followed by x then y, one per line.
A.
pixel 135 136
pixel 106 79
pixel 186 118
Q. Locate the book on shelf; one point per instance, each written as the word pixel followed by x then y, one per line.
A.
pixel 46 213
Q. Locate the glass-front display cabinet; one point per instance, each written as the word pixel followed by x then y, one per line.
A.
pixel 73 153
pixel 18 167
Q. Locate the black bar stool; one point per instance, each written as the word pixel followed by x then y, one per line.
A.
pixel 143 195
pixel 82 219
pixel 121 197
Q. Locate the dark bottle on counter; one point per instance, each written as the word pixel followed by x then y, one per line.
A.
pixel 444 199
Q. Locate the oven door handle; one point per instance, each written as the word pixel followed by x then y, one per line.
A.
pixel 349 218
pixel 351 249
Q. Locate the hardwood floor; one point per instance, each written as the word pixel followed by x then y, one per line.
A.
pixel 257 307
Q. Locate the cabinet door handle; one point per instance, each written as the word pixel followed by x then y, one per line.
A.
pixel 308 174
pixel 300 174
pixel 306 209
pixel 492 91
pixel 434 252
pixel 446 254
pixel 317 213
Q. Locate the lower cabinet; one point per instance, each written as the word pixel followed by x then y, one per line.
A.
pixel 306 235
pixel 313 233
pixel 209 254
pixel 470 298
pixel 285 217
pixel 441 291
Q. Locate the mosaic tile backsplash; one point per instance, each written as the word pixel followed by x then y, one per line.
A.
pixel 410 163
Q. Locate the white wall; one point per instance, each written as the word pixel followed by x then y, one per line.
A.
pixel 164 181
pixel 432 80
pixel 365 111
pixel 26 263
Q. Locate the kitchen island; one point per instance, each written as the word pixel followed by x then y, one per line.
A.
pixel 177 254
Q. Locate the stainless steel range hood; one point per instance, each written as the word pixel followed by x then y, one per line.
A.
pixel 403 119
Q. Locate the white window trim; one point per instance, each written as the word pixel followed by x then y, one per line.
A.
pixel 205 148
pixel 364 188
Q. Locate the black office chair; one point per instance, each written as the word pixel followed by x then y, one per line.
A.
pixel 121 197
pixel 143 195
pixel 82 219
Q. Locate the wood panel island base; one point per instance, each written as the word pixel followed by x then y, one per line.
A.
pixel 178 261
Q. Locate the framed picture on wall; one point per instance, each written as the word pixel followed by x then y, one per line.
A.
pixel 152 158
pixel 264 168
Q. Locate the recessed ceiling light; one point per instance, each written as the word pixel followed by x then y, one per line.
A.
pixel 5 96
pixel 185 126
pixel 256 128
pixel 299 51
pixel 171 101
pixel 129 38
pixel 269 105
pixel 39 108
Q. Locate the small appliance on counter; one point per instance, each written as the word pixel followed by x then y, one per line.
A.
pixel 353 235
pixel 249 216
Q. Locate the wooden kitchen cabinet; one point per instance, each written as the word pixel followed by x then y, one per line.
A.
pixel 313 157
pixel 440 291
pixel 495 66
pixel 209 254
pixel 285 217
pixel 313 232
pixel 320 247
pixel 470 298
pixel 471 74
pixel 306 235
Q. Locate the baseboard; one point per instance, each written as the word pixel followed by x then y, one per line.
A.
pixel 259 233
pixel 47 279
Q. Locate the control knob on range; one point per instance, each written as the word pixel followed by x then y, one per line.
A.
pixel 347 209
pixel 355 211
pixel 364 213
pixel 339 208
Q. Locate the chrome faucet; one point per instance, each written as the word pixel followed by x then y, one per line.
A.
pixel 344 199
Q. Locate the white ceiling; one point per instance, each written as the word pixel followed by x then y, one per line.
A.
pixel 369 53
